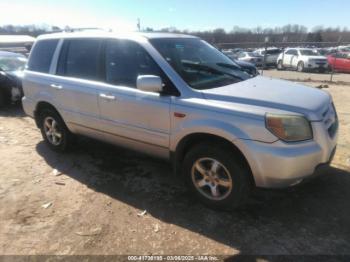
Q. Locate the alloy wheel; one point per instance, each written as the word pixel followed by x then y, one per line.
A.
pixel 52 131
pixel 211 178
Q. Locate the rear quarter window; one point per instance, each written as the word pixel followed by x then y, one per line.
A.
pixel 41 55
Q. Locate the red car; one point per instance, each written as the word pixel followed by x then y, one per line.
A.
pixel 339 62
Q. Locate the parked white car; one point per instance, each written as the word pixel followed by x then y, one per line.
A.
pixel 302 59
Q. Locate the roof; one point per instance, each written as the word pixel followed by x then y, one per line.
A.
pixel 10 54
pixel 301 48
pixel 101 33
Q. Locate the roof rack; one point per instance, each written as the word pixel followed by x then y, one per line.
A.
pixel 81 29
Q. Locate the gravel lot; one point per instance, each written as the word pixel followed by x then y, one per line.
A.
pixel 95 201
pixel 306 76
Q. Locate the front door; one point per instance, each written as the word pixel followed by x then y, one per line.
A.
pixel 287 58
pixel 142 118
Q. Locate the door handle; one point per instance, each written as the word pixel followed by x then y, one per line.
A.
pixel 58 87
pixel 107 97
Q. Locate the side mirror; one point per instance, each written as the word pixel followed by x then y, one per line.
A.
pixel 149 83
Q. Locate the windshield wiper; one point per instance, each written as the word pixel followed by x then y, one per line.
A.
pixel 231 66
pixel 209 69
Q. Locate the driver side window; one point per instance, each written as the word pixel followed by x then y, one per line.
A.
pixel 125 60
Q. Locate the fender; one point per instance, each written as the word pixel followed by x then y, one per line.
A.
pixel 206 126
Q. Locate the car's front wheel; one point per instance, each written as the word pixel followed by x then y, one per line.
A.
pixel 280 65
pixel 300 66
pixel 54 130
pixel 216 176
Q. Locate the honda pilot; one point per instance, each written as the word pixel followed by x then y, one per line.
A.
pixel 177 97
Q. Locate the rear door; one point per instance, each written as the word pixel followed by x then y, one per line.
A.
pixel 343 62
pixel 126 111
pixel 77 77
pixel 38 75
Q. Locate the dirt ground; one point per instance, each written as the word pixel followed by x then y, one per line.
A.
pixel 95 201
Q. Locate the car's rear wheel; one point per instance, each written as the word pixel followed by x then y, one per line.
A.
pixel 300 66
pixel 54 131
pixel 2 99
pixel 280 65
pixel 216 176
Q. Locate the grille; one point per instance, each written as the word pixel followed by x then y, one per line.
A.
pixel 320 60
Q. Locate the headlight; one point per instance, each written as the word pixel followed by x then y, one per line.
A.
pixel 289 128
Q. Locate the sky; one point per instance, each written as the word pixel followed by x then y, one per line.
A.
pixel 182 14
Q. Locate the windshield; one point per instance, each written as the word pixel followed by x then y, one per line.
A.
pixel 200 65
pixel 309 52
pixel 12 63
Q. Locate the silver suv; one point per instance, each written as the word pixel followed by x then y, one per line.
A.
pixel 177 97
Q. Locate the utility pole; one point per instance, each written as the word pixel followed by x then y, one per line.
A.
pixel 138 24
pixel 267 40
pixel 335 58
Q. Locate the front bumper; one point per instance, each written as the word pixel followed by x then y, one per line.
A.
pixel 28 106
pixel 278 164
pixel 316 65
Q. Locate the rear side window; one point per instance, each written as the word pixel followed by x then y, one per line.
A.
pixel 41 55
pixel 81 58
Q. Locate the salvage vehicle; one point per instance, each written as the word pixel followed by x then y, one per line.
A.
pixel 270 55
pixel 251 57
pixel 177 97
pixel 302 59
pixel 245 66
pixel 339 62
pixel 11 72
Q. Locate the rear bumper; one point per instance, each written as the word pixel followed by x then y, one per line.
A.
pixel 278 165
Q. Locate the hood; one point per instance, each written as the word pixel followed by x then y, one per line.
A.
pixel 278 95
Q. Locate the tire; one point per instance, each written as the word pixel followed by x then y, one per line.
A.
pixel 54 131
pixel 330 69
pixel 2 99
pixel 225 189
pixel 280 65
pixel 322 70
pixel 300 66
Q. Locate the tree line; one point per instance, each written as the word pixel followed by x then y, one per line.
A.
pixel 258 36
pixel 286 33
